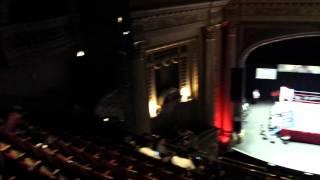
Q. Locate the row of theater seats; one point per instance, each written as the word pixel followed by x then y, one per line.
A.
pixel 35 153
pixel 44 154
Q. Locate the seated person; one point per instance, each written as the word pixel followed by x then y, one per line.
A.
pixel 171 95
pixel 149 152
pixel 185 163
pixel 161 147
pixel 14 119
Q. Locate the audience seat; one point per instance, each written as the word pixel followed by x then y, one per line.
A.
pixel 69 156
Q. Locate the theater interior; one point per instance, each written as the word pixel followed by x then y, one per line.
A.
pixel 180 89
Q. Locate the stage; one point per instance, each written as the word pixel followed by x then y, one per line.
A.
pixel 294 155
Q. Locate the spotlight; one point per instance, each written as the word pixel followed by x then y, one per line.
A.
pixel 80 53
pixel 106 119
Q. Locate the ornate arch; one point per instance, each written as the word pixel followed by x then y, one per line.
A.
pixel 245 54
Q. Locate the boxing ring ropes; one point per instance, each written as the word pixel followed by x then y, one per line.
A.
pixel 300 110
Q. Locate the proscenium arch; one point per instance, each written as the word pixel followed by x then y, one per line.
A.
pixel 245 54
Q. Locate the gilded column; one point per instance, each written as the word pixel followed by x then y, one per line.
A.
pixel 212 71
pixel 141 118
pixel 231 45
pixel 230 62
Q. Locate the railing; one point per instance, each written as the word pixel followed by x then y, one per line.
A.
pixel 250 168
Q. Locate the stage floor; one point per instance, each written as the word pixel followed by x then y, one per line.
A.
pixel 294 155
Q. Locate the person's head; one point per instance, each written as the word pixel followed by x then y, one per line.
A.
pixel 149 145
pixel 189 156
pixel 14 119
pixel 162 141
pixel 172 95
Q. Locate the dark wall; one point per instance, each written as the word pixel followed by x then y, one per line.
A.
pixel 38 65
pixel 35 61
pixel 36 10
pixel 105 66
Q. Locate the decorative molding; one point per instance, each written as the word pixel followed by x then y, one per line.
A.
pixel 139 50
pixel 251 33
pixel 168 20
pixel 180 53
pixel 252 47
pixel 211 32
pixel 142 4
pixel 274 10
pixel 263 19
pixel 149 20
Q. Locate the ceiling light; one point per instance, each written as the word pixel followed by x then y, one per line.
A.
pixel 80 53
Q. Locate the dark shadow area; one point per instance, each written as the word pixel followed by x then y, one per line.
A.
pixel 39 66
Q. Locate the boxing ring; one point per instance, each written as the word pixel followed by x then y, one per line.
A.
pixel 298 115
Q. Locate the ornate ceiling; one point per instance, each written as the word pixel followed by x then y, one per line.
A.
pixel 274 10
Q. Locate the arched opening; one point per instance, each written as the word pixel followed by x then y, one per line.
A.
pixel 281 117
pixel 296 49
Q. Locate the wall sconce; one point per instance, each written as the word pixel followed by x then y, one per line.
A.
pixel 185 94
pixel 106 119
pixel 153 109
pixel 126 32
pixel 119 19
pixel 80 53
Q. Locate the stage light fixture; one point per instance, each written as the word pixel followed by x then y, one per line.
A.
pixel 106 119
pixel 80 53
